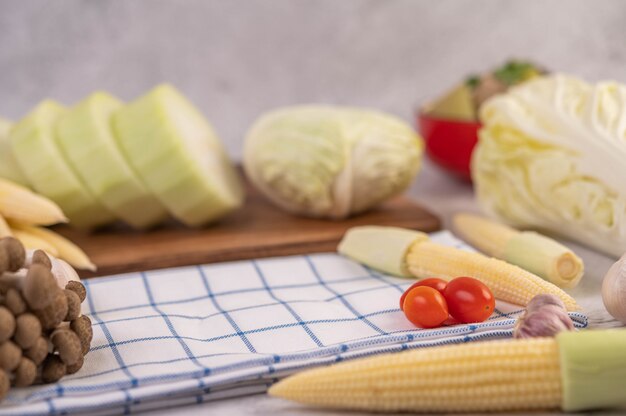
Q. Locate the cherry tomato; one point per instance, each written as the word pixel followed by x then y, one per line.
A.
pixel 450 321
pixel 469 300
pixel 437 284
pixel 425 307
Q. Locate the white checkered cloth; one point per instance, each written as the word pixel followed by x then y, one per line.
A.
pixel 192 334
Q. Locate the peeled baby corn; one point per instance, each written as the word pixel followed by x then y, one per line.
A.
pixel 5 230
pixel 65 249
pixel 19 203
pixel 32 242
pixel 482 376
pixel 531 251
pixel 574 371
pixel 407 252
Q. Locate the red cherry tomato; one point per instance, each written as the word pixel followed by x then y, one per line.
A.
pixel 469 300
pixel 437 284
pixel 425 307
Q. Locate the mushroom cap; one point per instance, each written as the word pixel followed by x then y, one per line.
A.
pixel 53 369
pixel 14 301
pixel 53 314
pixel 67 343
pixel 28 329
pixel 38 351
pixel 40 257
pixel 73 305
pixel 5 383
pixel 82 327
pixel 71 369
pixel 7 324
pixel 39 286
pixel 78 288
pixel 10 355
pixel 25 373
pixel 15 253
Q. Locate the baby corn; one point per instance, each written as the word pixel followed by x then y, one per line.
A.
pixel 66 250
pixel 19 203
pixel 574 371
pixel 5 230
pixel 507 282
pixel 531 251
pixel 412 251
pixel 476 377
pixel 32 242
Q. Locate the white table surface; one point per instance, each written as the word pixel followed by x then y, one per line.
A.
pixel 444 196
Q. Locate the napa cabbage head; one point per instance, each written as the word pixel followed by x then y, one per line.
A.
pixel 552 156
pixel 325 161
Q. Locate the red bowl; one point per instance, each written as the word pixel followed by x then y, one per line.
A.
pixel 449 143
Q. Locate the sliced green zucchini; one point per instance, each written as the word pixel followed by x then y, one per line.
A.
pixel 37 153
pixel 85 137
pixel 8 166
pixel 176 153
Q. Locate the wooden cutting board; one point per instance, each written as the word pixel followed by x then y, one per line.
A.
pixel 257 230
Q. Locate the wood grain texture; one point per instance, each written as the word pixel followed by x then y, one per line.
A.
pixel 257 230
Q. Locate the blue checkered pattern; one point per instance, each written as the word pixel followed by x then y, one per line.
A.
pixel 187 335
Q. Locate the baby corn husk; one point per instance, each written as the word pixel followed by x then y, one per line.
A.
pixel 531 251
pixel 474 377
pixel 576 370
pixel 5 230
pixel 422 258
pixel 32 242
pixel 19 203
pixel 66 250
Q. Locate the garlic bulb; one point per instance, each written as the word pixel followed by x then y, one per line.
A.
pixel 614 290
pixel 545 316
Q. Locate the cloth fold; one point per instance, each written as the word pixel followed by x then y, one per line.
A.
pixel 192 334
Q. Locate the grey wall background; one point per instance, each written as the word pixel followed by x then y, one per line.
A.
pixel 238 58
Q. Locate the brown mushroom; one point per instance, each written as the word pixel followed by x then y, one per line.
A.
pixel 4 260
pixel 7 324
pixel 67 343
pixel 73 305
pixel 53 314
pixel 82 327
pixel 10 280
pixel 25 373
pixel 40 257
pixel 10 355
pixel 78 288
pixel 71 369
pixel 38 351
pixel 53 369
pixel 15 253
pixel 40 286
pixel 28 330
pixel 15 302
pixel 5 384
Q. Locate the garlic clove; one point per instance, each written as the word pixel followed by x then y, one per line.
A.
pixel 61 270
pixel 614 290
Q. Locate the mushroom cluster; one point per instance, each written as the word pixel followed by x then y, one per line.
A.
pixel 43 335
